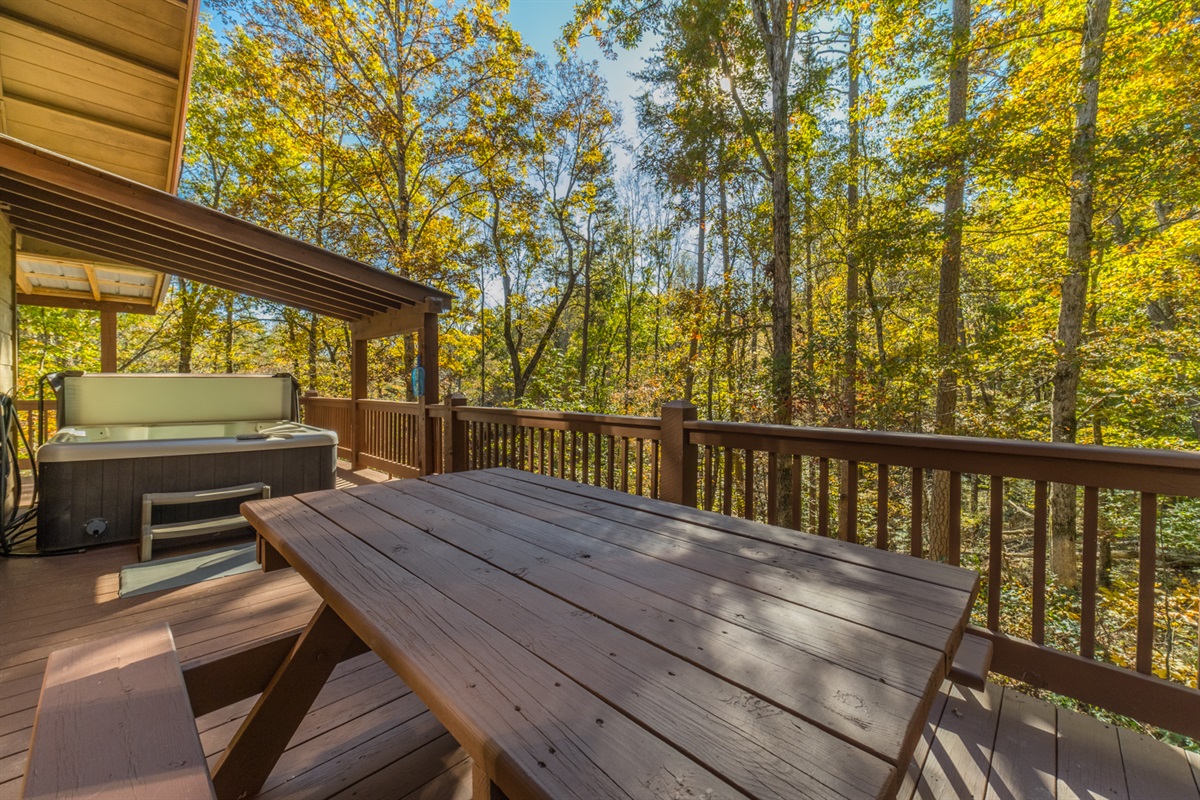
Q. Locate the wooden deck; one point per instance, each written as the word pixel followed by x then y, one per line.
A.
pixel 368 736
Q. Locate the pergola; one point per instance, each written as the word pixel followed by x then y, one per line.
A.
pixel 117 233
pixel 93 99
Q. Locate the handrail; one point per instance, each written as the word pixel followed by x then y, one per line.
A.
pixel 1158 471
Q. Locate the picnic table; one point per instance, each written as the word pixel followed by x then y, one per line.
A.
pixel 581 642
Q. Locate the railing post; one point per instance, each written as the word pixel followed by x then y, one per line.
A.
pixel 358 391
pixel 454 436
pixel 679 462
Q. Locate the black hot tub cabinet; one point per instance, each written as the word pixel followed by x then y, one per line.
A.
pixel 123 436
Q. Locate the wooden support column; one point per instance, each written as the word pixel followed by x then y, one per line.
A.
pixel 108 341
pixel 358 391
pixel 679 461
pixel 428 350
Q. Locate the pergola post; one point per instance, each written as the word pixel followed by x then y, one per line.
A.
pixel 108 341
pixel 358 391
pixel 428 351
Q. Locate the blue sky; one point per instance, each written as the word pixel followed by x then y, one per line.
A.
pixel 540 23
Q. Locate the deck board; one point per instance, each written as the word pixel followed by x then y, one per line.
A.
pixel 368 737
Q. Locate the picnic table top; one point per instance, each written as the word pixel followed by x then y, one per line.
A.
pixel 580 642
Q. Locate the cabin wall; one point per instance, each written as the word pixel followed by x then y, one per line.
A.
pixel 8 306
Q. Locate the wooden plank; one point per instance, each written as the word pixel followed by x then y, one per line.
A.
pixel 938 574
pixel 817 628
pixel 1087 589
pixel 912 775
pixel 114 721
pixel 525 703
pixel 1147 569
pixel 1089 759
pixel 1023 756
pixel 959 759
pixel 995 549
pixel 1146 698
pixel 864 708
pixel 1040 515
pixel 745 738
pixel 1154 770
pixel 438 757
pixel 139 37
pixel 877 595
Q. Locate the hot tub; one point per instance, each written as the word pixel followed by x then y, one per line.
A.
pixel 123 436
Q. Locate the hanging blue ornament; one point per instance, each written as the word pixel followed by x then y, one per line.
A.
pixel 418 380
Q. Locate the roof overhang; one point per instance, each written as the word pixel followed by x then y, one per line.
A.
pixel 100 81
pixel 67 207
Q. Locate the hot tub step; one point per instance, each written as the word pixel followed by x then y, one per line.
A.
pixel 198 527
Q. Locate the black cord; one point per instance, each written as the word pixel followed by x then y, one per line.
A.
pixel 15 529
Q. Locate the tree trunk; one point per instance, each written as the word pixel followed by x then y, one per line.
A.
pixel 689 374
pixel 951 271
pixel 188 313
pixel 850 354
pixel 777 24
pixel 587 311
pixel 311 354
pixel 229 334
pixel 1063 422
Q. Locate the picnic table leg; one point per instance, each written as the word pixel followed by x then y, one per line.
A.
pixel 482 787
pixel 268 557
pixel 266 731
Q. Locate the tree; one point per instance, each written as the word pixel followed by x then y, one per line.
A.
pixel 1063 420
pixel 949 276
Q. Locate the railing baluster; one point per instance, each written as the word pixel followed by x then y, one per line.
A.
pixel 772 488
pixel 797 491
pixel 823 498
pixel 1087 597
pixel 954 524
pixel 597 467
pixel 654 468
pixel 995 551
pixel 641 455
pixel 708 478
pixel 727 483
pixel 574 445
pixel 1147 568
pixel 748 485
pixel 587 441
pixel 881 510
pixel 611 460
pixel 851 489
pixel 625 464
pixel 916 534
pixel 1039 562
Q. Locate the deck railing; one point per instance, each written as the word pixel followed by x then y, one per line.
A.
pixel 871 488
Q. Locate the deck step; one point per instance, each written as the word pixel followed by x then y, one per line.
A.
pixel 198 527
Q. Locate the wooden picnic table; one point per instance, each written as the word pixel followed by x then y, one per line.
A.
pixel 580 642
